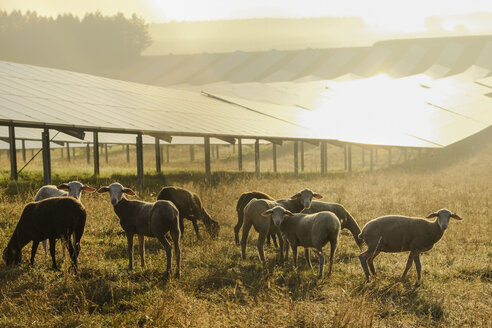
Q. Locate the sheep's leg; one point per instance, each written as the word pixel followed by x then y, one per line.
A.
pixel 281 246
pixel 408 266
pixel 322 263
pixel 168 248
pixel 294 254
pixel 195 226
pixel 45 247
pixel 286 243
pixel 363 262
pixel 333 249
pixel 141 249
pixel 237 227
pixel 261 242
pixel 177 251
pixel 33 251
pixel 71 250
pixel 307 255
pixel 418 266
pixel 246 228
pixel 274 238
pixel 52 252
pixel 370 262
pixel 129 237
pixel 181 225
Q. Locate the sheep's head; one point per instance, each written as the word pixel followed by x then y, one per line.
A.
pixel 116 192
pixel 278 213
pixel 11 256
pixel 443 216
pixel 75 188
pixel 305 197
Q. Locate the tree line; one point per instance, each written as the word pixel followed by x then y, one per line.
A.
pixel 94 43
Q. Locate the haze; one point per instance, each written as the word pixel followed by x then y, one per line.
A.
pixel 392 15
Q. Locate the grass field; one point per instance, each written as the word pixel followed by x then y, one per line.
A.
pixel 218 289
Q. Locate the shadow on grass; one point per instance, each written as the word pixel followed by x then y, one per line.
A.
pixel 406 295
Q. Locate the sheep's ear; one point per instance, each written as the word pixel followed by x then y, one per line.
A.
pixel 88 189
pixel 296 196
pixel 288 213
pixel 129 191
pixel 267 212
pixel 317 196
pixel 63 186
pixel 455 216
pixel 103 189
pixel 432 215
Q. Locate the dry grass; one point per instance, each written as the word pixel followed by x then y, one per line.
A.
pixel 218 289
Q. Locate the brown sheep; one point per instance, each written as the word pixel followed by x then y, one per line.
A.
pixel 190 207
pixel 52 218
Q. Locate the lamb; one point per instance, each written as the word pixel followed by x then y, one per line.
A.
pixel 52 218
pixel 253 217
pixel 394 233
pixel 74 189
pixel 146 219
pixel 341 213
pixel 241 203
pixel 190 207
pixel 309 231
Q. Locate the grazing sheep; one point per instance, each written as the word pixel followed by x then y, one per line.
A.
pixel 52 218
pixel 394 233
pixel 189 206
pixel 252 216
pixel 309 231
pixel 241 203
pixel 74 189
pixel 341 213
pixel 146 219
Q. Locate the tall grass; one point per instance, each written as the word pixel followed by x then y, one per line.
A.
pixel 218 289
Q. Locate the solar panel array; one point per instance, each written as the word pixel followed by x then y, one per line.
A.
pixel 35 96
pixel 398 58
pixel 433 109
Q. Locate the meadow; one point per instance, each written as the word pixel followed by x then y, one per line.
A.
pixel 219 289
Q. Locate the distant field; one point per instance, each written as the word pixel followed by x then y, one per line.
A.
pixel 218 289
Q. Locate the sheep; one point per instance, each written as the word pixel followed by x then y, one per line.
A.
pixel 309 231
pixel 52 218
pixel 74 189
pixel 341 213
pixel 394 233
pixel 189 206
pixel 241 203
pixel 146 219
pixel 253 217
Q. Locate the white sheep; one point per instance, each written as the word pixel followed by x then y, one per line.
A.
pixel 394 234
pixel 146 219
pixel 308 231
pixel 73 189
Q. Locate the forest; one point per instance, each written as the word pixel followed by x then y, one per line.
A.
pixel 90 44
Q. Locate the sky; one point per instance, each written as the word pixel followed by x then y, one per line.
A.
pixel 393 14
